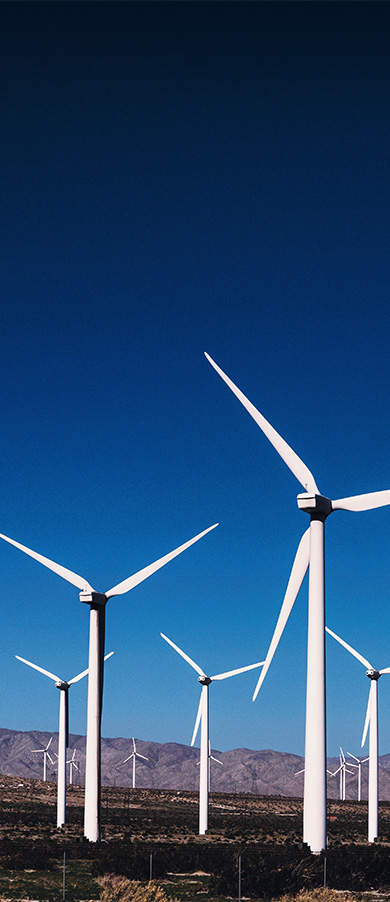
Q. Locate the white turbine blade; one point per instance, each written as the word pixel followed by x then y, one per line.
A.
pixel 183 655
pixel 137 578
pixel 198 716
pixel 368 716
pixel 134 746
pixel 84 673
pixel 71 577
pixel 47 673
pixel 362 502
pixel 342 755
pixel 353 756
pixel 49 743
pixel 216 760
pixel 350 649
pixel 295 464
pixel 128 759
pixel 299 567
pixel 385 670
pixel 35 751
pixel 50 758
pixel 141 756
pixel 223 676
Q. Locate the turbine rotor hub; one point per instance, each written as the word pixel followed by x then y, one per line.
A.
pixel 93 598
pixel 62 684
pixel 204 680
pixel 373 674
pixel 317 506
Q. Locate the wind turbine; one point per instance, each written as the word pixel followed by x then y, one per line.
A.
pixel 97 603
pixel 46 754
pixel 310 552
pixel 73 765
pixel 372 722
pixel 203 717
pixel 360 761
pixel 342 770
pixel 63 730
pixel 134 755
pixel 211 758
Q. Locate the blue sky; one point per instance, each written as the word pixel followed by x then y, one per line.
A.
pixel 178 178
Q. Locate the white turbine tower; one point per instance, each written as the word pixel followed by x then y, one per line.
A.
pixel 310 551
pixel 360 761
pixel 63 730
pixel 372 722
pixel 46 755
pixel 133 756
pixel 203 718
pixel 97 603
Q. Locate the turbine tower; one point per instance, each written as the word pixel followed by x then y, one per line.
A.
pixel 97 603
pixel 46 755
pixel 310 551
pixel 203 718
pixel 63 731
pixel 372 722
pixel 133 756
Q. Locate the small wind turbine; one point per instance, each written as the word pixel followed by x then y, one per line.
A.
pixel 133 756
pixel 73 765
pixel 310 551
pixel 97 603
pixel 203 717
pixel 360 761
pixel 63 730
pixel 372 722
pixel 342 770
pixel 46 754
pixel 211 758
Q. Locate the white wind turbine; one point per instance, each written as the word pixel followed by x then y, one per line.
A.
pixel 133 756
pixel 203 718
pixel 342 770
pixel 97 603
pixel 73 765
pixel 46 755
pixel 211 758
pixel 310 552
pixel 63 730
pixel 360 761
pixel 372 722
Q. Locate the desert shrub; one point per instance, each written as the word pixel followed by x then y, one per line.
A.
pixel 120 889
pixel 323 894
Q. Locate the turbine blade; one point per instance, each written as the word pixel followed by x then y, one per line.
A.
pixel 299 567
pixel 198 716
pixel 350 649
pixel 353 756
pixel 47 673
pixel 70 577
pixel 142 756
pixel 368 717
pixel 385 670
pixel 223 676
pixel 183 655
pixel 294 463
pixel 362 502
pixel 137 578
pixel 342 754
pixel 84 673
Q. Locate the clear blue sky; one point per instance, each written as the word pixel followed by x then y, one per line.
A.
pixel 178 178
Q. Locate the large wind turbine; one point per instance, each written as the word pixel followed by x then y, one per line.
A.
pixel 310 551
pixel 372 722
pixel 63 730
pixel 203 718
pixel 97 603
pixel 46 755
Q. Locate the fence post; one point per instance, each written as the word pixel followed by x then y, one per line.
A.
pixel 239 878
pixel 63 878
pixel 325 869
pixel 151 866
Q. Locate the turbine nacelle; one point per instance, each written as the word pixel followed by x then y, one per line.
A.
pixel 62 684
pixel 373 674
pixel 204 680
pixel 93 598
pixel 314 504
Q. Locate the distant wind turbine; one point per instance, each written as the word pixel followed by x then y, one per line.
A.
pixel 46 754
pixel 372 722
pixel 211 758
pixel 360 761
pixel 97 603
pixel 73 765
pixel 203 718
pixel 133 756
pixel 63 730
pixel 310 551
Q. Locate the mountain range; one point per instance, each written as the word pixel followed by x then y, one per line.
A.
pixel 170 765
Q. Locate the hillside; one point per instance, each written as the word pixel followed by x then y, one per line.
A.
pixel 174 766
